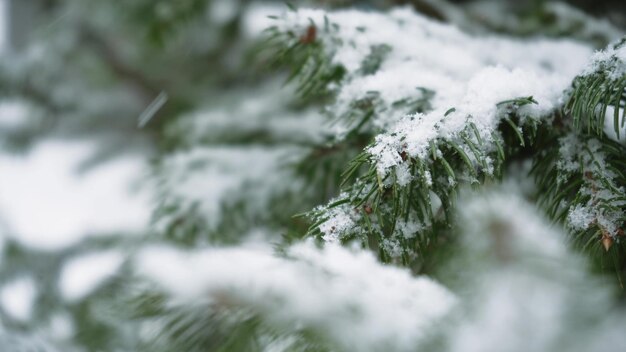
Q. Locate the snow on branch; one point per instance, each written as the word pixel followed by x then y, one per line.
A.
pixel 599 89
pixel 344 296
pixel 441 105
pixel 583 186
pixel 518 279
pixel 198 188
pixel 395 58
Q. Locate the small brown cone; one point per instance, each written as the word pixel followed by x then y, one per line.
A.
pixel 310 35
pixel 607 241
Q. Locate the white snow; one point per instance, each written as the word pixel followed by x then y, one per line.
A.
pixel 518 279
pixel 341 221
pixel 470 74
pixel 82 275
pixel 345 295
pixel 611 61
pixel 515 227
pixel 17 298
pixel 61 326
pixel 48 205
pixel 515 312
pixel 586 159
pixel 255 19
pixel 209 178
pixel 13 114
pixel 580 217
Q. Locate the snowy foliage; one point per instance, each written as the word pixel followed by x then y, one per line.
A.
pixel 196 187
pixel 441 102
pixel 512 269
pixel 48 182
pixel 320 179
pixel 470 74
pixel 600 186
pixel 17 298
pixel 520 294
pixel 81 276
pixel 345 296
pixel 605 76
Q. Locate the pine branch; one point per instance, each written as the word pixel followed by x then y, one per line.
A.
pixel 588 194
pixel 341 285
pixel 398 213
pixel 601 86
pixel 579 171
pixel 400 191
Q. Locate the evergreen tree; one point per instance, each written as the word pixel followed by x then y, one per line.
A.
pixel 336 176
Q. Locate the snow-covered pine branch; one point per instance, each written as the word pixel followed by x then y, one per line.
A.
pixel 389 116
pixel 511 268
pixel 339 297
pixel 480 98
pixel 598 92
pixel 579 165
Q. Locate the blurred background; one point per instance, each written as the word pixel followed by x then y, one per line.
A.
pixel 105 106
